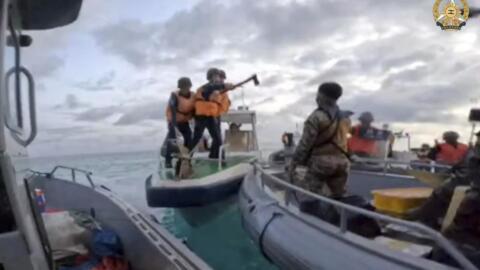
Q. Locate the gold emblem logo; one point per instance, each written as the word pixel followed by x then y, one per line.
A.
pixel 450 15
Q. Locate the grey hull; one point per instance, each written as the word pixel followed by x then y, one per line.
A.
pixel 146 244
pixel 190 195
pixel 293 240
pixel 362 182
pixel 162 192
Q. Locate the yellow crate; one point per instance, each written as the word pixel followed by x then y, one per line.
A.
pixel 399 200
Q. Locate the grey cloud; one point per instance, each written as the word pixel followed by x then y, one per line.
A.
pixel 341 69
pixel 218 62
pixel 140 84
pixel 71 102
pixel 65 130
pixel 141 112
pixel 104 83
pixel 97 114
pixel 129 39
pixel 44 65
pixel 271 80
pixel 248 28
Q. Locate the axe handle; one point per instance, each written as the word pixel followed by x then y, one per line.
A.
pixel 243 82
pixel 238 84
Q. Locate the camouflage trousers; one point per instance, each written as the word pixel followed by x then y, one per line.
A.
pixel 329 170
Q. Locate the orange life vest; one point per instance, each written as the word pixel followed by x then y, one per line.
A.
pixel 451 155
pixel 224 103
pixel 210 107
pixel 356 144
pixel 185 108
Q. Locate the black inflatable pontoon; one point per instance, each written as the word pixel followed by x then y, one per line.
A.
pixel 294 240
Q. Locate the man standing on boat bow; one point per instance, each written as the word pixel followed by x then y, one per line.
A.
pixel 179 112
pixel 208 109
pixel 322 147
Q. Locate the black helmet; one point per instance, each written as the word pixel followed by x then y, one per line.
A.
pixel 331 90
pixel 222 73
pixel 184 82
pixel 450 135
pixel 212 72
pixel 366 117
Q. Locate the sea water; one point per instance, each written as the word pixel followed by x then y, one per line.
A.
pixel 214 232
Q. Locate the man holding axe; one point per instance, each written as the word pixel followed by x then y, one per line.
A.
pixel 208 108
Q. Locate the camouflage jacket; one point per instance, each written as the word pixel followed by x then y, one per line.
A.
pixel 321 135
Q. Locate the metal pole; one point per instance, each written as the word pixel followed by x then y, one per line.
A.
pixel 408 142
pixel 343 220
pixel 472 134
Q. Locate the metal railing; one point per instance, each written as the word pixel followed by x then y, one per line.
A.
pixel 387 163
pixel 73 172
pixel 441 241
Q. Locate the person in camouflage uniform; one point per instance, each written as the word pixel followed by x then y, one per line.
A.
pixel 320 148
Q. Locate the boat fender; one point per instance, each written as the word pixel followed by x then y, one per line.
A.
pixel 262 234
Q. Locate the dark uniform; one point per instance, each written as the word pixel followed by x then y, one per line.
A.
pixel 181 100
pixel 465 228
pixel 210 123
pixel 464 231
pixel 437 204
pixel 320 148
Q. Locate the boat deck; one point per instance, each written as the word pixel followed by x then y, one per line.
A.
pixel 205 167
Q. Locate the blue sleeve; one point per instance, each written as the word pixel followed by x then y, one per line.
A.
pixel 173 103
pixel 210 88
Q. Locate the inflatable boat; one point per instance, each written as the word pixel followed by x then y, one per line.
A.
pixel 210 180
pixel 292 239
pixel 57 203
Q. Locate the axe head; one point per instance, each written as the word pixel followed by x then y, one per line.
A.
pixel 255 80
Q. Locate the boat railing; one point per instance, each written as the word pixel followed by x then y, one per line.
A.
pixel 73 173
pixel 344 209
pixel 432 166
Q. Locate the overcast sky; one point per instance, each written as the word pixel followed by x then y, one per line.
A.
pixel 102 82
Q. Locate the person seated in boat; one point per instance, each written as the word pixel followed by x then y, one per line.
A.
pixel 422 153
pixel 435 207
pixel 423 161
pixel 180 110
pixel 464 230
pixel 208 110
pixel 450 152
pixel 365 137
pixel 320 148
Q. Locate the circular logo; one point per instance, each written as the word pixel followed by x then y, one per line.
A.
pixel 450 15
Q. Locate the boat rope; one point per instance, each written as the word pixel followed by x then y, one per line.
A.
pixel 262 234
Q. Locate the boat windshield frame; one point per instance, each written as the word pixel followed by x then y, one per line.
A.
pixel 345 209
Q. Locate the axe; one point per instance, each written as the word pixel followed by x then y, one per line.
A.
pixel 253 78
